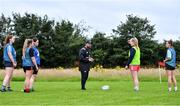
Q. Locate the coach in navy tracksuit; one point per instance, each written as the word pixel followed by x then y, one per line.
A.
pixel 84 66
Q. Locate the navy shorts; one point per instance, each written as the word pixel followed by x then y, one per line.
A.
pixel 168 67
pixel 8 64
pixel 25 68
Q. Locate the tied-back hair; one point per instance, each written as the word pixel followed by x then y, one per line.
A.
pixel 7 39
pixel 170 42
pixel 27 42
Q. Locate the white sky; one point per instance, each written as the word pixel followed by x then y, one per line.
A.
pixel 104 15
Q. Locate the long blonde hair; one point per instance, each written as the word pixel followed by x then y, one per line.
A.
pixel 25 45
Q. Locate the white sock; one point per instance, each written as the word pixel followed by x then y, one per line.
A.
pixel 169 89
pixel 175 88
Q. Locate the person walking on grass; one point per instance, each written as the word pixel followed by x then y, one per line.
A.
pixel 84 66
pixel 170 64
pixel 134 61
pixel 37 57
pixel 29 62
pixel 10 63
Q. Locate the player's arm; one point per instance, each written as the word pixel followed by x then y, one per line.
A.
pixel 10 56
pixel 132 54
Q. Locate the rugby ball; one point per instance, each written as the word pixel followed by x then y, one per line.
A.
pixel 105 87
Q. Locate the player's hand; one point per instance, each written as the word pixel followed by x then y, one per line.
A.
pixel 164 61
pixel 37 67
pixel 126 67
pixel 23 57
pixel 14 64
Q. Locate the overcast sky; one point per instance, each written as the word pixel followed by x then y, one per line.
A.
pixel 104 15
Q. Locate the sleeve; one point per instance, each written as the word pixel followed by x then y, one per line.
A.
pixel 31 52
pixel 82 58
pixel 9 48
pixel 169 55
pixel 132 53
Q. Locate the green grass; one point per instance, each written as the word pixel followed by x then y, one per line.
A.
pixel 69 93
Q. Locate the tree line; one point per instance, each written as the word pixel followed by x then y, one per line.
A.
pixel 61 40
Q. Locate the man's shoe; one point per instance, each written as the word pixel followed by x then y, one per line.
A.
pixel 9 90
pixel 83 88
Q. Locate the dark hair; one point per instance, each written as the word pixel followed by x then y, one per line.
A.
pixel 7 39
pixel 170 42
pixel 29 42
pixel 35 39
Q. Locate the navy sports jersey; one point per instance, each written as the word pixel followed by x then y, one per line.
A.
pixel 36 55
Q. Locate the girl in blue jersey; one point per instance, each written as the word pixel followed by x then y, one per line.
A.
pixel 29 62
pixel 10 63
pixel 170 63
pixel 37 57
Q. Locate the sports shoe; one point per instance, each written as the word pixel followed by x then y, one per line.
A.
pixel 27 90
pixel 136 88
pixel 83 88
pixel 175 89
pixel 9 90
pixel 169 89
pixel 3 90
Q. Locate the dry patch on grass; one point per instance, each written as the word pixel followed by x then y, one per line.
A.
pixel 73 72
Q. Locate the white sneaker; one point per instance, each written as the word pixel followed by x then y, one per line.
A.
pixel 136 88
pixel 169 89
pixel 175 88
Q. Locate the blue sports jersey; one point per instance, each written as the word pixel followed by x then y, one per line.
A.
pixel 36 55
pixel 9 48
pixel 27 58
pixel 171 54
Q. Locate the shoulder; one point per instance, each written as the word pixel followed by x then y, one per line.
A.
pixel 132 49
pixel 82 49
pixel 31 49
pixel 169 50
pixel 8 46
pixel 34 48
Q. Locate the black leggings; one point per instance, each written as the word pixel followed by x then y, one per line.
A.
pixel 84 77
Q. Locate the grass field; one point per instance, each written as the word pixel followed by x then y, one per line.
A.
pixel 66 91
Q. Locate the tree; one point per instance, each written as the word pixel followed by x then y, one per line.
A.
pixel 5 28
pixel 100 48
pixel 143 31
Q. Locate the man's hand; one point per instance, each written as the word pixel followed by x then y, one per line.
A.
pixel 91 59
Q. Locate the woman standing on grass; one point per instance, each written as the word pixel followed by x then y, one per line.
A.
pixel 170 63
pixel 10 63
pixel 29 62
pixel 37 57
pixel 134 61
